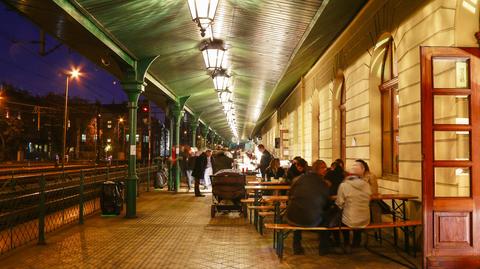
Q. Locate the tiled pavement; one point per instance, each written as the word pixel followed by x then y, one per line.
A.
pixel 175 231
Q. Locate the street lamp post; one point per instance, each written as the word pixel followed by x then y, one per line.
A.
pixel 74 73
pixel 120 142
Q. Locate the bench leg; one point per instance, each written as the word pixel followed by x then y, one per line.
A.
pixel 260 225
pixel 274 239
pixel 280 241
pixel 414 247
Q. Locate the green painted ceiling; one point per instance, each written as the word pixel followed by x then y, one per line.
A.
pixel 272 43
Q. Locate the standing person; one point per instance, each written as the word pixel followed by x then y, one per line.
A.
pixel 307 201
pixel 265 160
pixel 354 198
pixel 190 167
pixel 222 161
pixel 208 169
pixel 203 167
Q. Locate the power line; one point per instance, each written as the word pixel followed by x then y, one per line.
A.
pixel 42 60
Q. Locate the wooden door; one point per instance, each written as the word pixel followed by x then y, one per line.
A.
pixel 451 156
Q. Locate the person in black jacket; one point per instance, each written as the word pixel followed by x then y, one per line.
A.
pixel 334 177
pixel 307 202
pixel 265 160
pixel 202 163
pixel 292 171
pixel 274 170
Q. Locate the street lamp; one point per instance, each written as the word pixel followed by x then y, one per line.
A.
pixel 214 54
pixel 203 13
pixel 120 120
pixel 72 74
pixel 221 80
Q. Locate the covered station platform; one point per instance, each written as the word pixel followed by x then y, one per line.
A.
pixel 393 83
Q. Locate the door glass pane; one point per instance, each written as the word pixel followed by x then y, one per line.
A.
pixel 452 145
pixel 451 73
pixel 452 181
pixel 451 109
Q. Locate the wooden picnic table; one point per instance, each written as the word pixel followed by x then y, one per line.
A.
pixel 267 183
pixel 257 195
pixel 267 187
pixel 398 208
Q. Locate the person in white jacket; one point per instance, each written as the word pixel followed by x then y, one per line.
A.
pixel 354 198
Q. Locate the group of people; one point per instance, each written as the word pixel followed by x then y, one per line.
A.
pixel 311 204
pixel 319 191
pixel 199 166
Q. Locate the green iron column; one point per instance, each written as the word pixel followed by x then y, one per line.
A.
pixel 133 90
pixel 194 126
pixel 214 137
pixel 134 85
pixel 170 146
pixel 205 131
pixel 178 113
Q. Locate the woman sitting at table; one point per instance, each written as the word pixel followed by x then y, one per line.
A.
pixel 375 207
pixel 354 198
pixel 334 177
pixel 274 170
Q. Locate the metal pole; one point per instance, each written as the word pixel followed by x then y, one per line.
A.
pixel 178 119
pixel 133 90
pixel 65 123
pixel 80 206
pixel 41 212
pixel 149 133
pixel 148 178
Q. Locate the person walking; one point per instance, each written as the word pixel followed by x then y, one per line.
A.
pixel 203 170
pixel 190 167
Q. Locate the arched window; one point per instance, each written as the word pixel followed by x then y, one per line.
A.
pixel 339 119
pixel 389 98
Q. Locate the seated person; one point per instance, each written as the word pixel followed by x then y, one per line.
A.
pixel 354 198
pixel 292 171
pixel 307 202
pixel 274 170
pixel 335 176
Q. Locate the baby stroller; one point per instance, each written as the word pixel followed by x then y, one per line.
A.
pixel 228 188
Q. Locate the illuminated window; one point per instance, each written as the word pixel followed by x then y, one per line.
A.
pixel 390 115
pixel 84 138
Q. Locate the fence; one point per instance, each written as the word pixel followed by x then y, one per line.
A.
pixel 33 205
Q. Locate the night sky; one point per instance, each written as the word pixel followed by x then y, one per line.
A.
pixel 22 66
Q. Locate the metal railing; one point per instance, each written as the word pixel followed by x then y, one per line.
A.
pixel 33 205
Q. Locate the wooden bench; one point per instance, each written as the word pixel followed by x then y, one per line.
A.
pixel 263 211
pixel 281 231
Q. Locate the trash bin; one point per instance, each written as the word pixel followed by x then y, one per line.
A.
pixel 111 198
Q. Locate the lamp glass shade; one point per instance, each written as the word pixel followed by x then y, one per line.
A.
pixel 221 81
pixel 203 12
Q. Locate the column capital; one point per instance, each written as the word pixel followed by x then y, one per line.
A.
pixel 206 130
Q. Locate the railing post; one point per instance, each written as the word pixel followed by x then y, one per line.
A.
pixel 41 212
pixel 80 206
pixel 108 173
pixel 148 177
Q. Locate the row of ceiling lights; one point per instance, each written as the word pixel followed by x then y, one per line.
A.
pixel 214 54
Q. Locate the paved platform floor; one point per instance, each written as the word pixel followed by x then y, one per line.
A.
pixel 175 231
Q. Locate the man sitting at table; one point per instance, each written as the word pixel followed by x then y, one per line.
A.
pixel 307 201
